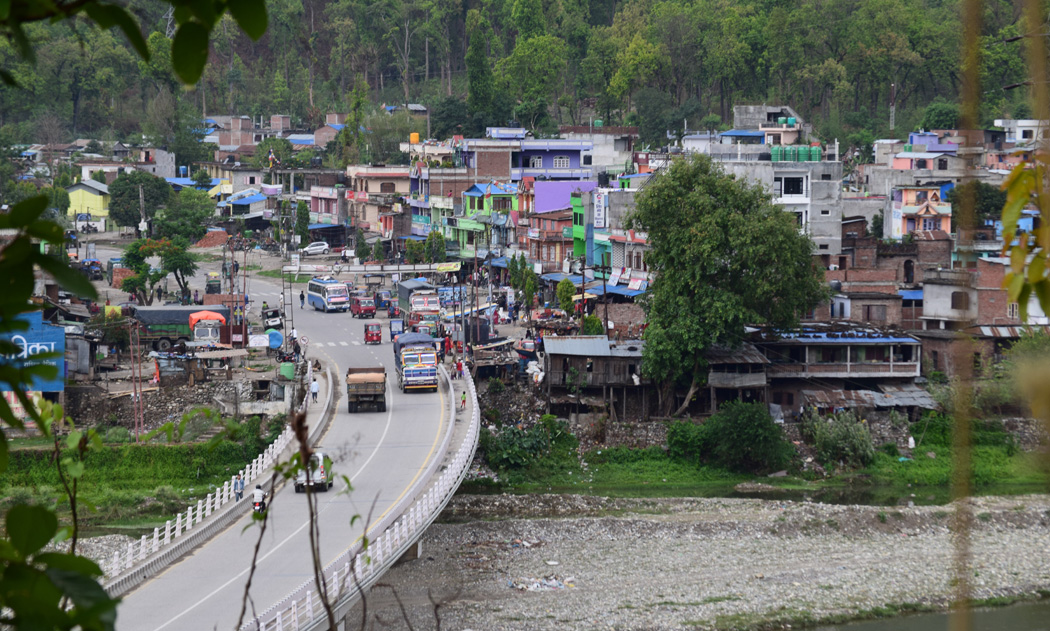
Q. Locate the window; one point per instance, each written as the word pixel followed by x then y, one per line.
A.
pixel 536 162
pixel 825 213
pixel 929 223
pixel 920 164
pixel 1012 310
pixel 637 260
pixel 587 160
pixel 793 186
pixel 935 360
pixel 561 162
pixel 875 313
pixel 909 272
pixel 1027 134
pixel 920 197
pixel 823 246
pixel 960 300
pixel 825 176
pixel 386 187
pixel 942 164
pixel 250 179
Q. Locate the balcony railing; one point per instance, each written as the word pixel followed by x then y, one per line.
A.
pixel 901 369
pixel 959 278
pixel 736 380
pixel 554 174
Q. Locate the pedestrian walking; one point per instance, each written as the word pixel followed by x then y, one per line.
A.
pixel 238 488
pixel 296 350
pixel 295 334
pixel 459 369
pixel 302 298
pixel 463 400
pixel 314 389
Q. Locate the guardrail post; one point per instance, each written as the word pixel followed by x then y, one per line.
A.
pixel 310 604
pixel 200 516
pixel 131 554
pixel 178 525
pixel 189 517
pixel 142 547
pixel 156 539
pixel 167 532
pixel 295 614
pixel 280 623
pixel 116 562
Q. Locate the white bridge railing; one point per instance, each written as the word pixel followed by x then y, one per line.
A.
pixel 129 566
pixel 357 569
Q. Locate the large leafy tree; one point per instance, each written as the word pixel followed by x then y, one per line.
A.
pixel 988 201
pixel 136 258
pixel 435 247
pixel 177 260
pixel 124 207
pixel 302 223
pixel 187 215
pixel 724 257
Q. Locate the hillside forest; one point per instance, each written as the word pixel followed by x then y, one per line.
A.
pixel 664 65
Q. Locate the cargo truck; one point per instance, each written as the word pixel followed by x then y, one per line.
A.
pixel 165 326
pixel 365 386
pixel 416 360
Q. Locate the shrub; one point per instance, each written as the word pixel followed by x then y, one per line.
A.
pixel 840 438
pixel 117 435
pixel 591 325
pixel 495 385
pixel 890 449
pixel 935 428
pixel 514 448
pixel 742 437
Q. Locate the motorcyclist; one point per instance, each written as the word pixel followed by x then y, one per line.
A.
pixel 259 497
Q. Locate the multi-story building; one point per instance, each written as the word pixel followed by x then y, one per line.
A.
pixel 485 221
pixel 374 192
pixel 916 208
pixel 549 238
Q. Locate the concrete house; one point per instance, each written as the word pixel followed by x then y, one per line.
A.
pixel 89 197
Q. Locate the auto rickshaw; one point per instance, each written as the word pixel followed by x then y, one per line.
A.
pixel 397 327
pixel 214 284
pixel 373 333
pixel 393 310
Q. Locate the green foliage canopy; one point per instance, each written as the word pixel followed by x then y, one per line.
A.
pixel 124 205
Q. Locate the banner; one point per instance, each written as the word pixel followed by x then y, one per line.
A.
pixel 258 341
pixel 39 339
pixel 601 198
pixel 453 266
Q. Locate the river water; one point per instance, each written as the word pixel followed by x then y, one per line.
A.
pixel 1023 617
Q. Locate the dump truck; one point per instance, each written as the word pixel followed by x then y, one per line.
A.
pixel 165 326
pixel 365 386
pixel 416 355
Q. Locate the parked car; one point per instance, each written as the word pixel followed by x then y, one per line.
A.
pixel 317 247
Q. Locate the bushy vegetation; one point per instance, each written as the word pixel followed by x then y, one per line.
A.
pixel 742 437
pixel 545 448
pixel 840 439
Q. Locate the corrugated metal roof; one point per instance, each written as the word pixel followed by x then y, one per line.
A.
pixel 579 346
pixel 1009 332
pixel 247 201
pixel 913 155
pixel 894 397
pixel 909 395
pixel 746 354
pixel 230 352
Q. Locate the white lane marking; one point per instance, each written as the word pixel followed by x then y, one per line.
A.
pixel 386 430
pixel 331 343
pixel 343 344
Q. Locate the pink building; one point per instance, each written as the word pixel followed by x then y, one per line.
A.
pixel 918 208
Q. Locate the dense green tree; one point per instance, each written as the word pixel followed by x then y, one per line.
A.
pixel 481 85
pixel 449 117
pixel 724 257
pixel 188 214
pixel 940 115
pixel 136 258
pixel 302 223
pixel 202 180
pixel 435 247
pixel 177 260
pixel 542 58
pixel 124 206
pixel 415 252
pixel 654 116
pixel 528 19
pixel 741 437
pixel 988 201
pixel 378 253
pixel 565 291
pixel 361 249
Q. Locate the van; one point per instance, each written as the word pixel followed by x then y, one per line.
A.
pixel 320 473
pixel 363 306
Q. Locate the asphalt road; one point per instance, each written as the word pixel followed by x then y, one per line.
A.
pixel 381 453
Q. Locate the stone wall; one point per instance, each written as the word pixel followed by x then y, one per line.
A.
pixel 91 405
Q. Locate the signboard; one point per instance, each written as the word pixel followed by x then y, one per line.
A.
pixel 258 341
pixel 305 341
pixel 350 196
pixel 601 199
pixel 38 339
pixel 238 338
pixel 361 196
pixel 534 233
pixel 614 277
pixel 636 283
pixel 566 232
pixel 448 267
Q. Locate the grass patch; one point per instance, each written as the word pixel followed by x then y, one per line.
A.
pixel 289 278
pixel 710 600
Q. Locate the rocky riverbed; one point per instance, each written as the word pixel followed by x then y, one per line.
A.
pixel 573 562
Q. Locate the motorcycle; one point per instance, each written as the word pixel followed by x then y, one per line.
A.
pixel 259 507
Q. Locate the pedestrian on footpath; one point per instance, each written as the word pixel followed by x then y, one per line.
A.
pixel 459 369
pixel 314 389
pixel 238 488
pixel 295 334
pixel 302 298
pixel 463 400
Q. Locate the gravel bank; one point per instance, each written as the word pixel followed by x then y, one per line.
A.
pixel 700 563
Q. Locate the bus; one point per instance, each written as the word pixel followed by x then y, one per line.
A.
pixel 327 294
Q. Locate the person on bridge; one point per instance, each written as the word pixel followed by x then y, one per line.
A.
pixel 463 400
pixel 302 298
pixel 314 389
pixel 259 497
pixel 238 488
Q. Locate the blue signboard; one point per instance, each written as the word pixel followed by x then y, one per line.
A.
pixel 38 339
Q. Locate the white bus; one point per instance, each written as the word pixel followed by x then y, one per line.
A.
pixel 327 294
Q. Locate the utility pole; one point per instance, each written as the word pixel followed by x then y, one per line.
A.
pixel 893 104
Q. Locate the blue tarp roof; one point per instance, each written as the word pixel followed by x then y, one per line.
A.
pixel 615 289
pixel 499 262
pixel 413 237
pixel 185 181
pixel 336 126
pixel 491 188
pixel 322 226
pixel 911 294
pixel 557 277
pixel 631 175
pixel 744 133
pixel 247 201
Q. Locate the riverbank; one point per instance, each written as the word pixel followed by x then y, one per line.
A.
pixel 575 562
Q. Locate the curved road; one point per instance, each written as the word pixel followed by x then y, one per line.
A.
pixel 382 453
